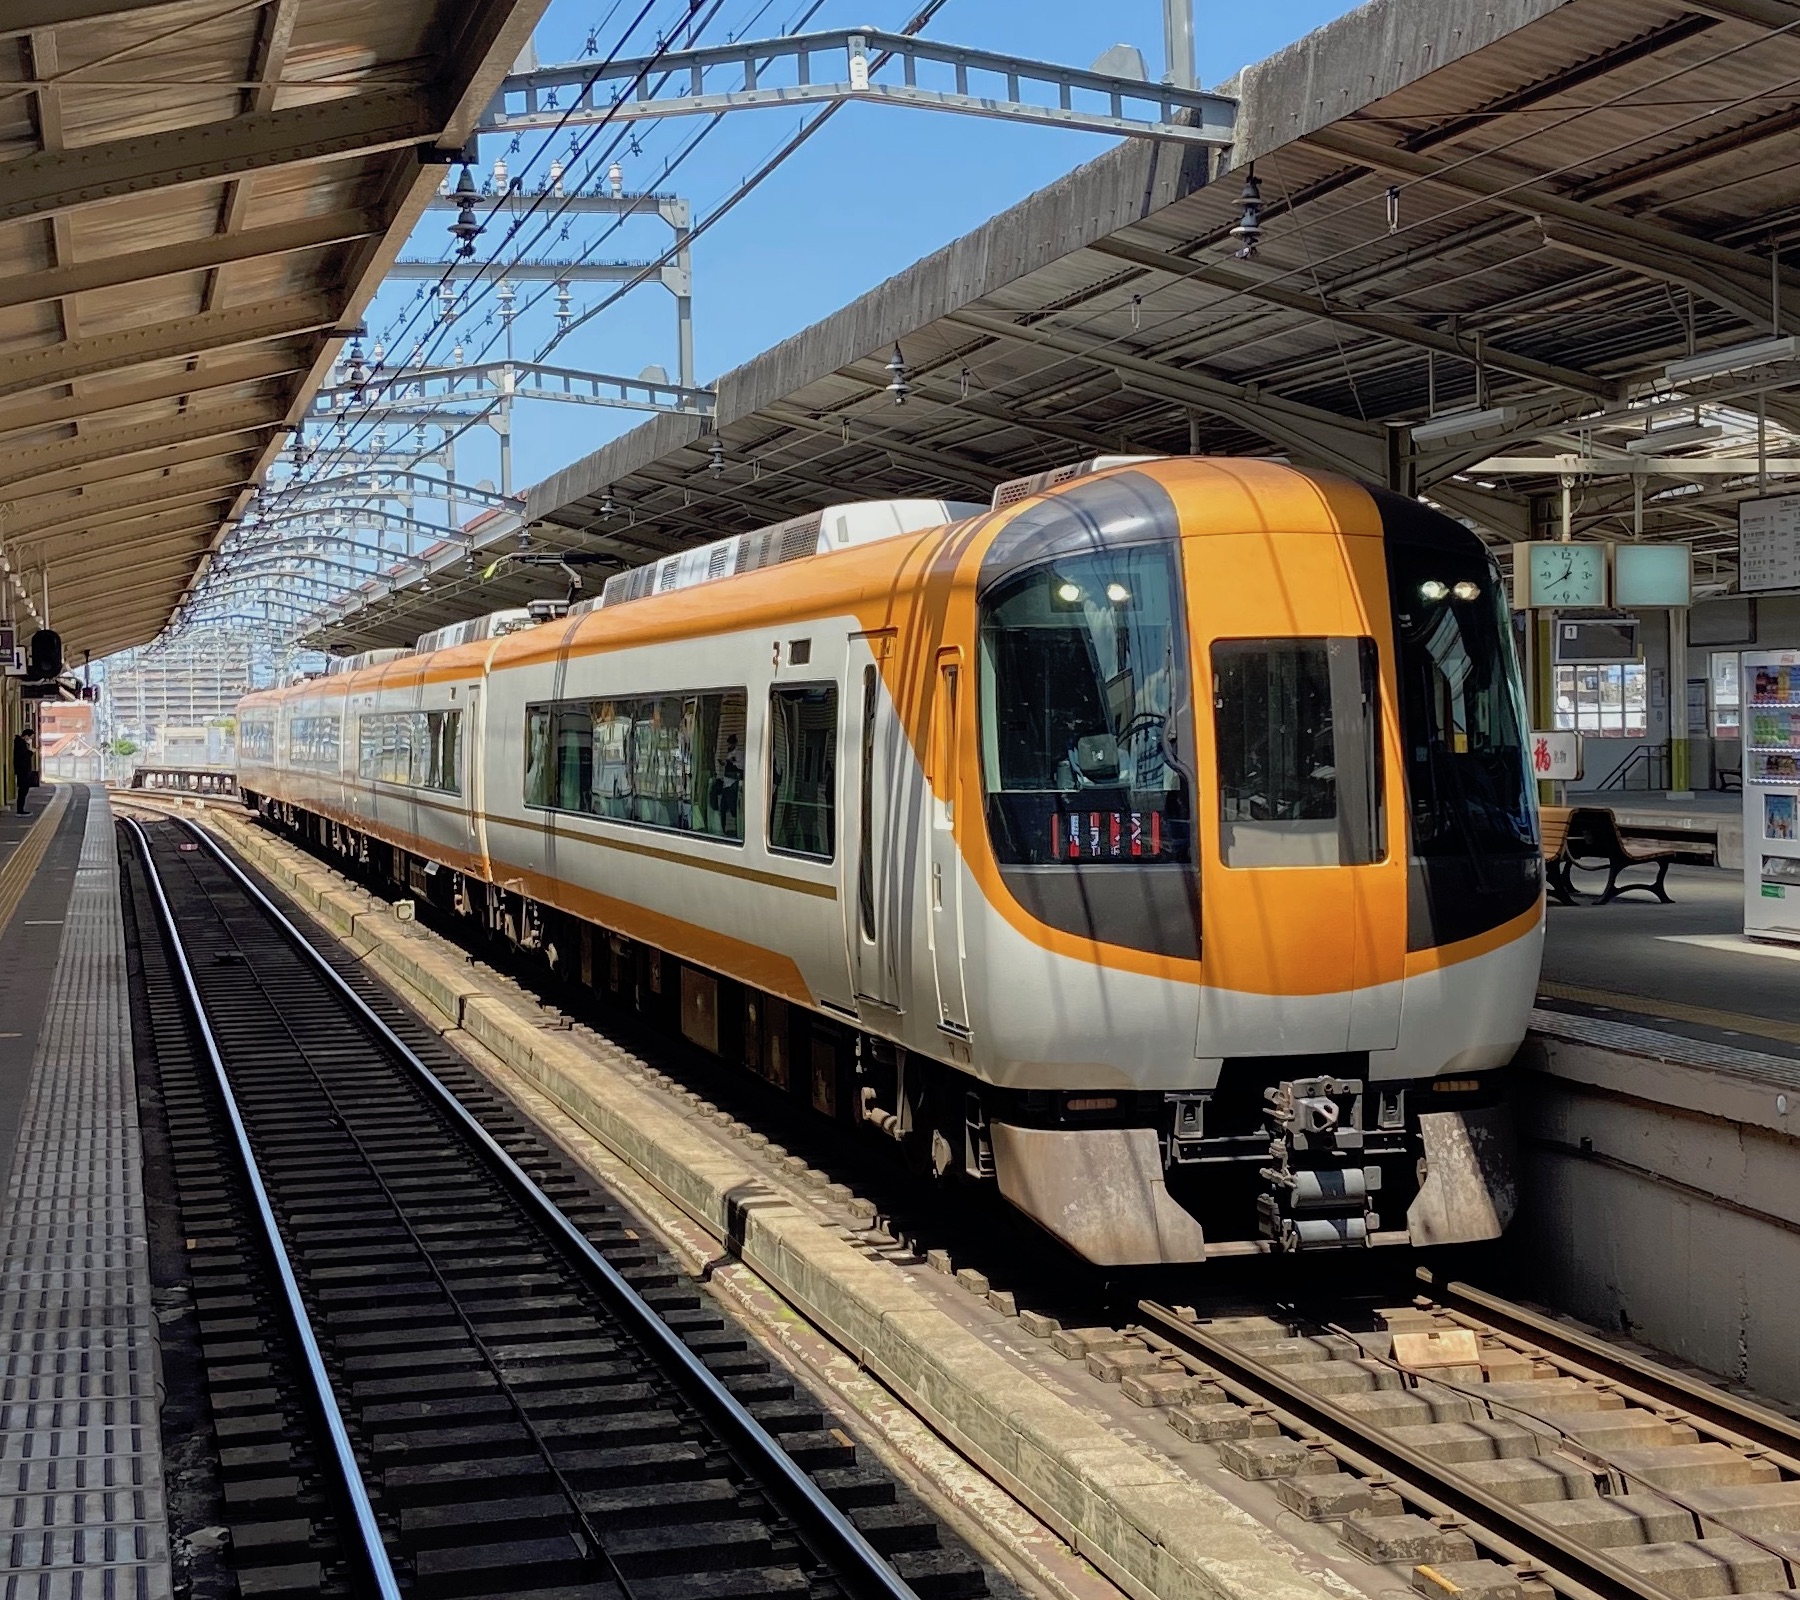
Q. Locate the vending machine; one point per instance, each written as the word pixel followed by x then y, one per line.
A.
pixel 1770 730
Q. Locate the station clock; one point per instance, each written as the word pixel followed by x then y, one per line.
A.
pixel 1559 575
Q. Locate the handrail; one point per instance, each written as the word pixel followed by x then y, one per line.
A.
pixel 1654 758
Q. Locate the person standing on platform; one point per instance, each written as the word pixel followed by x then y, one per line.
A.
pixel 24 767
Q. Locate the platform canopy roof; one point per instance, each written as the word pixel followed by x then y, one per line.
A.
pixel 1521 210
pixel 197 199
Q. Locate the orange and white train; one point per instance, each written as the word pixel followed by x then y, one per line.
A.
pixel 1158 845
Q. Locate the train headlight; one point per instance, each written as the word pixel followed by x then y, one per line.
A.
pixel 1432 589
pixel 1467 591
pixel 1118 593
pixel 1068 593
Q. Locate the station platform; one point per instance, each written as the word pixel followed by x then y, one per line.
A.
pixel 81 1475
pixel 1711 821
pixel 1684 969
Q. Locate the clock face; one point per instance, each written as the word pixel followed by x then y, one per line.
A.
pixel 1568 575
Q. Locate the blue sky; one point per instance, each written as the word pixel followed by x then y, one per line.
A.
pixel 874 191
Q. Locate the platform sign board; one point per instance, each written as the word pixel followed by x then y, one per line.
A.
pixel 1556 757
pixel 1647 576
pixel 1769 543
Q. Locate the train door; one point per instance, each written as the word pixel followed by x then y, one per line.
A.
pixel 474 778
pixel 874 866
pixel 944 891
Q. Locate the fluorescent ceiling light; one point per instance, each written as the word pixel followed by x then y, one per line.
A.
pixel 1658 439
pixel 1450 423
pixel 1739 358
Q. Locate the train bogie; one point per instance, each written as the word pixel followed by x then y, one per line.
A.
pixel 1158 848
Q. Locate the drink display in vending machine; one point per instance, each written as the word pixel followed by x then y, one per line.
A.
pixel 1770 728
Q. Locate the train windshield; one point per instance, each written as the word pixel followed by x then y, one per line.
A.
pixel 1472 819
pixel 1083 664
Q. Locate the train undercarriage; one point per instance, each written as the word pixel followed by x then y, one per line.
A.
pixel 1281 1155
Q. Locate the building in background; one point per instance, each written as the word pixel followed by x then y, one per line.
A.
pixel 175 705
pixel 68 743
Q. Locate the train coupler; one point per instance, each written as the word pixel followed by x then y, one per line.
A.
pixel 1320 1192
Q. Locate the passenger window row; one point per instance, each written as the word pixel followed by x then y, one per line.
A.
pixel 676 761
pixel 419 749
pixel 313 742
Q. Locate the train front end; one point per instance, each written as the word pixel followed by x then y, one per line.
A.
pixel 1258 811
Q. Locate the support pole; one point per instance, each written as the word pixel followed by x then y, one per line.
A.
pixel 1679 788
pixel 684 314
pixel 1178 43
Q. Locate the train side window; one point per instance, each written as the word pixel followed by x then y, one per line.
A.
pixel 1298 733
pixel 540 774
pixel 716 732
pixel 803 770
pixel 574 758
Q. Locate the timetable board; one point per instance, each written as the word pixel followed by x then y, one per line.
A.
pixel 1769 543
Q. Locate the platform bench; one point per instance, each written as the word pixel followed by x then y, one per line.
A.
pixel 1587 839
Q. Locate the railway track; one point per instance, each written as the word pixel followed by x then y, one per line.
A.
pixel 1493 1452
pixel 1463 1444
pixel 438 1362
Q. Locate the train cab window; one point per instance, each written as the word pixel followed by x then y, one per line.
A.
pixel 1299 755
pixel 803 729
pixel 1470 813
pixel 1083 669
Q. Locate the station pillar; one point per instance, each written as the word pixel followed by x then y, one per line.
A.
pixel 1680 768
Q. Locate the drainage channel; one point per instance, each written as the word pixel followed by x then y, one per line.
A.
pixel 437 1360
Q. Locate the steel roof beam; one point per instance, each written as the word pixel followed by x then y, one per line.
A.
pixel 1736 294
pixel 193 255
pixel 1770 14
pixel 176 528
pixel 958 469
pixel 84 512
pixel 1358 448
pixel 52 365
pixel 208 447
pixel 121 444
pixel 259 141
pixel 162 572
pixel 1396 329
pixel 1481 179
pixel 248 367
pixel 28 16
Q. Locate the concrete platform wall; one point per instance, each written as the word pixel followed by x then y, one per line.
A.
pixel 1663 1199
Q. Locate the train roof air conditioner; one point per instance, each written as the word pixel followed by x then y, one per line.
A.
pixel 1014 490
pixel 815 534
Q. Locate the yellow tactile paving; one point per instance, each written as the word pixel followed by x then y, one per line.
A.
pixel 1675 1011
pixel 22 865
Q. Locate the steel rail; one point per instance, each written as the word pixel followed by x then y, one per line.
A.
pixel 1593 1569
pixel 1729 1412
pixel 834 1538
pixel 374 1547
